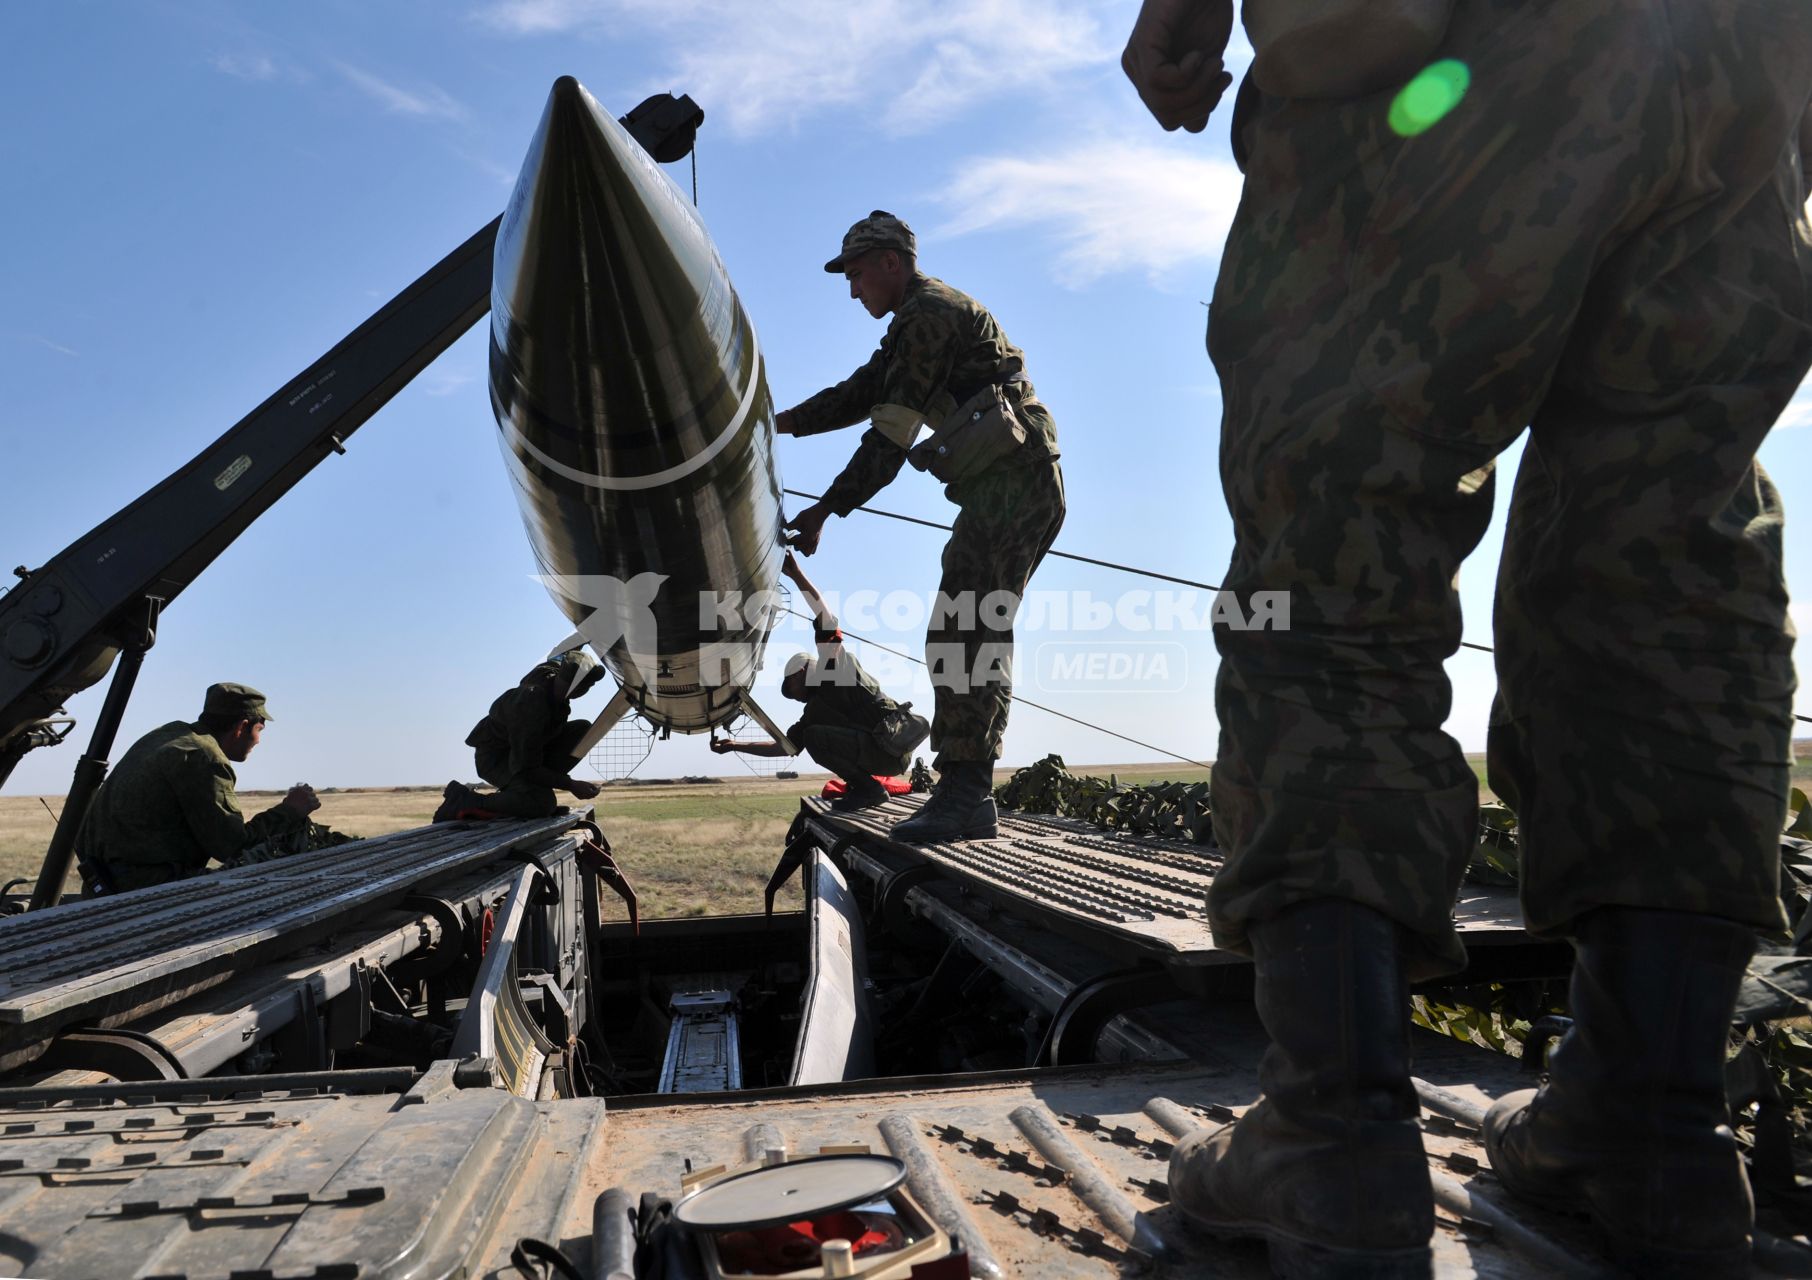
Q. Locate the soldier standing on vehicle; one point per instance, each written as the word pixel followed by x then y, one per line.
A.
pixel 849 725
pixel 527 745
pixel 169 805
pixel 945 362
pixel 1587 219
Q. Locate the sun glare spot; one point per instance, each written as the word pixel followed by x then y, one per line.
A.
pixel 1425 100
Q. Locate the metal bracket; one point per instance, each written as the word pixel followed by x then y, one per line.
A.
pixel 121 1053
pixel 797 851
pixel 1087 1010
pixel 890 905
pixel 594 856
pixel 547 889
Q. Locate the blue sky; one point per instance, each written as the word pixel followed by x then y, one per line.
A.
pixel 201 198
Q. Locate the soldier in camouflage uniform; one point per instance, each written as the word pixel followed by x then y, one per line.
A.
pixel 527 746
pixel 169 807
pixel 941 348
pixel 844 727
pixel 1603 239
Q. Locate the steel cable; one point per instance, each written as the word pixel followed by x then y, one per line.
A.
pixel 1105 564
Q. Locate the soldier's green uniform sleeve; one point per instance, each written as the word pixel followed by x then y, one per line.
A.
pixel 205 793
pixel 845 404
pixel 876 462
pixel 921 349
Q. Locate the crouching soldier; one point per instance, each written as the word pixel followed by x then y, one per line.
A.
pixel 169 806
pixel 849 725
pixel 527 745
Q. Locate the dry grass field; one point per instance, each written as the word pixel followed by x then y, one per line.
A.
pixel 689 848
pixel 701 849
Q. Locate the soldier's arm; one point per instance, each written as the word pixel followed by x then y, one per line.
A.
pixel 843 405
pixel 876 462
pixel 822 617
pixel 205 790
pixel 268 835
pixel 749 747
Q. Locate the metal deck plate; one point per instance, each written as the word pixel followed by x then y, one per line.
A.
pixel 1058 1175
pixel 1141 893
pixel 117 957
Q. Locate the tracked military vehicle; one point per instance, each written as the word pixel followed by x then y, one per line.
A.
pixel 446 1052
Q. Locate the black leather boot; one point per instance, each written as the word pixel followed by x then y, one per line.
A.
pixel 961 807
pixel 456 798
pixel 1631 1126
pixel 860 792
pixel 1328 1167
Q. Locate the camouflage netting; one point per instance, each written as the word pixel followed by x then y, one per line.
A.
pixel 278 835
pixel 1172 810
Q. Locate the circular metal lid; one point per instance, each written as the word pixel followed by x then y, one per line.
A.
pixel 788 1192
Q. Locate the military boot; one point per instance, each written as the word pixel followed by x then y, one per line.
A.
pixel 1328 1167
pixel 960 807
pixel 1631 1125
pixel 860 792
pixel 455 799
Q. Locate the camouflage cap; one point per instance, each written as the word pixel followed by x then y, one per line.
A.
pixel 879 230
pixel 238 700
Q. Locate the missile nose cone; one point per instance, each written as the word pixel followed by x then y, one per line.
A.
pixel 601 261
pixel 633 414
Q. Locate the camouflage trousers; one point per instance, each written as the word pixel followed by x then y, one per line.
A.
pixel 518 798
pixel 1009 517
pixel 849 753
pixel 1606 243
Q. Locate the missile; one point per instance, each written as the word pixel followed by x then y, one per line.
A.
pixel 635 421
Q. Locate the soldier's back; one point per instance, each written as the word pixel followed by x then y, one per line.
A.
pixel 138 816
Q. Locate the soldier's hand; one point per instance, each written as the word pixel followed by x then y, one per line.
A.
pixel 1173 59
pixel 723 745
pixel 302 799
pixel 789 565
pixel 783 422
pixel 583 789
pixel 807 527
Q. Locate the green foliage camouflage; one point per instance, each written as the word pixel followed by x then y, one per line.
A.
pixel 1172 810
pixel 282 837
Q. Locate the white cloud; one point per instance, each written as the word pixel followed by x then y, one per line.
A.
pixel 1798 412
pixel 1107 206
pixel 246 66
pixel 259 68
pixel 427 102
pixel 57 347
pixel 445 383
pixel 913 63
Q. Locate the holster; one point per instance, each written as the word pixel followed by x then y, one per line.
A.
pixel 983 430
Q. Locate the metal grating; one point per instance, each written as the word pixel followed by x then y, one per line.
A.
pixel 1145 895
pixel 117 956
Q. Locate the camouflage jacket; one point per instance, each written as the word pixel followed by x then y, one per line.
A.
pixel 941 347
pixel 841 695
pixel 170 802
pixel 510 745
